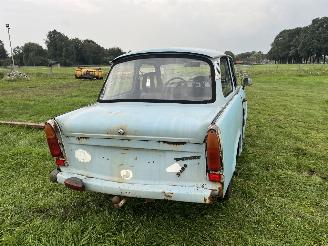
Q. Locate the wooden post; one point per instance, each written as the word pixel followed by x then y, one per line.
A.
pixel 23 124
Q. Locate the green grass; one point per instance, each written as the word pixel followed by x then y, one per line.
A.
pixel 45 95
pixel 279 194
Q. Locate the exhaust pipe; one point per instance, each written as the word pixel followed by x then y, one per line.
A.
pixel 118 202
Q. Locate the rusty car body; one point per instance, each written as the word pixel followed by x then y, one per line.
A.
pixel 168 124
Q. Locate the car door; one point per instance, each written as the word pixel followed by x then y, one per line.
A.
pixel 230 122
pixel 242 95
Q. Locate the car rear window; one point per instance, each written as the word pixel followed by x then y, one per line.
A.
pixel 171 79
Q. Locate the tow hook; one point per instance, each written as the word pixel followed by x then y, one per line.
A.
pixel 118 202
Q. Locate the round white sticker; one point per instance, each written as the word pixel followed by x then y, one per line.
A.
pixel 126 174
pixel 82 156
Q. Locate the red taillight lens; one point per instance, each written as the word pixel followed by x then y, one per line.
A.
pixel 214 177
pixel 52 141
pixel 60 162
pixel 213 148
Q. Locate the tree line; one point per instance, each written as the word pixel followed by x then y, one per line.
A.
pixel 60 49
pixel 307 44
pixel 251 57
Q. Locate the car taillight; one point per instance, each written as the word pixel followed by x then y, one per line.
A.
pixel 60 162
pixel 213 154
pixel 53 144
pixel 214 177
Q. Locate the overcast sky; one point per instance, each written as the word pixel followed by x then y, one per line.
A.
pixel 237 25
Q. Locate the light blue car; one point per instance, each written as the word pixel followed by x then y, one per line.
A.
pixel 168 124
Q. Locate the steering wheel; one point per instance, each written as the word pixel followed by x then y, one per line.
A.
pixel 169 91
pixel 180 81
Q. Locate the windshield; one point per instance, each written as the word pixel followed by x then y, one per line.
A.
pixel 163 79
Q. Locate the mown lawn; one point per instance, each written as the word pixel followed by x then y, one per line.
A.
pixel 280 193
pixel 45 95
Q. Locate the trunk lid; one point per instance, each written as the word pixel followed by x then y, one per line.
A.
pixel 149 121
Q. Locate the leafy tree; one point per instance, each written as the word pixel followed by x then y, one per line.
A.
pixel 92 52
pixel 324 37
pixel 18 55
pixel 252 57
pixel 244 56
pixel 112 53
pixel 319 35
pixel 285 46
pixel 34 55
pixel 305 48
pixel 257 57
pixel 77 50
pixel 299 45
pixel 60 48
pixel 3 52
pixel 294 36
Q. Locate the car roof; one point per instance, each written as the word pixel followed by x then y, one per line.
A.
pixel 204 52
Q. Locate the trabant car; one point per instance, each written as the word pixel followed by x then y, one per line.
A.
pixel 168 124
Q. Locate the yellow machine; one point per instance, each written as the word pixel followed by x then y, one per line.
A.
pixel 88 73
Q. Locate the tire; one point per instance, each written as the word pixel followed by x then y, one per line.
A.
pixel 240 146
pixel 228 193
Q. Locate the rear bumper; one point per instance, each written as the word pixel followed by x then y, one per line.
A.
pixel 166 192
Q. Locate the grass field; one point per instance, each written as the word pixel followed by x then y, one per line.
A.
pixel 280 191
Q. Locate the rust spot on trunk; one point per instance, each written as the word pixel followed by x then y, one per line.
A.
pixel 186 158
pixel 168 195
pixel 208 200
pixel 82 139
pixel 173 143
pixel 220 190
pixel 118 130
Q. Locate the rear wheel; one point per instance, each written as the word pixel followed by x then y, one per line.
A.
pixel 240 146
pixel 227 195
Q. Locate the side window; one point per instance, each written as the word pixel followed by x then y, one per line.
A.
pixel 234 78
pixel 226 80
pixel 121 80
